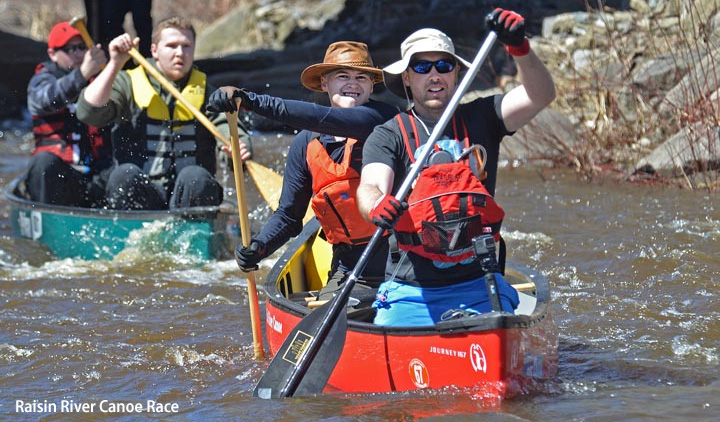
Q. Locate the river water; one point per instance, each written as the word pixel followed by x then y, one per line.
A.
pixel 634 270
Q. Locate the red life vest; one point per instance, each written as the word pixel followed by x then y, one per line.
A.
pixel 62 134
pixel 334 201
pixel 448 207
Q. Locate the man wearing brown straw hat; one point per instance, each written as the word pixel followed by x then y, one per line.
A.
pixel 433 271
pixel 322 169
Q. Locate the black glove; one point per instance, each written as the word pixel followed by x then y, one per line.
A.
pixel 248 258
pixel 219 101
pixel 386 211
pixel 510 28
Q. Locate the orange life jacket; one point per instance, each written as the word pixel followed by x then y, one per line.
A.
pixel 447 208
pixel 334 201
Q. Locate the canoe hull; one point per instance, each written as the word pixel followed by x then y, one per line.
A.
pixel 493 355
pixel 84 233
pixel 501 362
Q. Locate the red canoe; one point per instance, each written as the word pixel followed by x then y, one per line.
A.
pixel 494 355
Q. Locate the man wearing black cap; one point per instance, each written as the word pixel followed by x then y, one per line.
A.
pixel 69 156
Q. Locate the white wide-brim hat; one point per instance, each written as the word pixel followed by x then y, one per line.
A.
pixel 424 40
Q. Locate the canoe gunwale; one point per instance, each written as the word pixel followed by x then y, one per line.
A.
pixel 483 322
pixel 190 213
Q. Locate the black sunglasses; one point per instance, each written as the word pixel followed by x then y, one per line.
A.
pixel 69 49
pixel 424 66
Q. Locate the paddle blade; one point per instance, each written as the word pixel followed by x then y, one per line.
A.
pixel 268 182
pixel 269 185
pixel 280 373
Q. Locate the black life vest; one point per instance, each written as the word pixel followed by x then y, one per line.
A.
pixel 448 206
pixel 160 141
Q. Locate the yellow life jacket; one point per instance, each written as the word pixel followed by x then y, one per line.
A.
pixel 146 97
pixel 162 144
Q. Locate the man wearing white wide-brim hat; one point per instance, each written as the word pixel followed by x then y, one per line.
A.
pixel 427 274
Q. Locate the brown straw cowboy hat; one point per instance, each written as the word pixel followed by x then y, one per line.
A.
pixel 341 55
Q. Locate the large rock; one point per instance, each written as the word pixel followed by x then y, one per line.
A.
pixel 699 83
pixel 549 135
pixel 687 151
pixel 250 27
pixel 660 73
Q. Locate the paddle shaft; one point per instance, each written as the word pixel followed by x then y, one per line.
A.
pixel 337 305
pixel 245 232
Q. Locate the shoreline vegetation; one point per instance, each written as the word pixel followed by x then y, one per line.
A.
pixel 641 87
pixel 638 88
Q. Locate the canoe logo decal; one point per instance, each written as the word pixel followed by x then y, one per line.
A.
pixel 30 224
pixel 448 352
pixel 297 348
pixel 419 374
pixel 273 323
pixel 477 358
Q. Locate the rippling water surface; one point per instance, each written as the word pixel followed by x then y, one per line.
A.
pixel 635 273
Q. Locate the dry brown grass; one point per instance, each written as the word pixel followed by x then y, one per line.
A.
pixel 620 121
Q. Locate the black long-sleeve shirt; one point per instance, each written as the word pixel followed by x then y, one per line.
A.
pixel 357 122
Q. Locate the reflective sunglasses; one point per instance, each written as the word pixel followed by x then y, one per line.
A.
pixel 71 48
pixel 424 66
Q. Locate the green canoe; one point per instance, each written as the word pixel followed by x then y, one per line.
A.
pixel 89 233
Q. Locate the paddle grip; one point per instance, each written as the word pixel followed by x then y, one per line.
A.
pixel 79 24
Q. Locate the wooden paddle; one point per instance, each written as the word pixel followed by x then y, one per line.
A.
pixel 245 232
pixel 269 183
pixel 316 337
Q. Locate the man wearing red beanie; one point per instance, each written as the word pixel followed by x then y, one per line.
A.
pixel 69 156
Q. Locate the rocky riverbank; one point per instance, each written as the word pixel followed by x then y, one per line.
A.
pixel 637 81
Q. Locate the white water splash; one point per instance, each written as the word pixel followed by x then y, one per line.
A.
pixel 682 347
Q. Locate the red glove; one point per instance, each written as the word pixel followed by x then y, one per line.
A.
pixel 510 29
pixel 386 211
